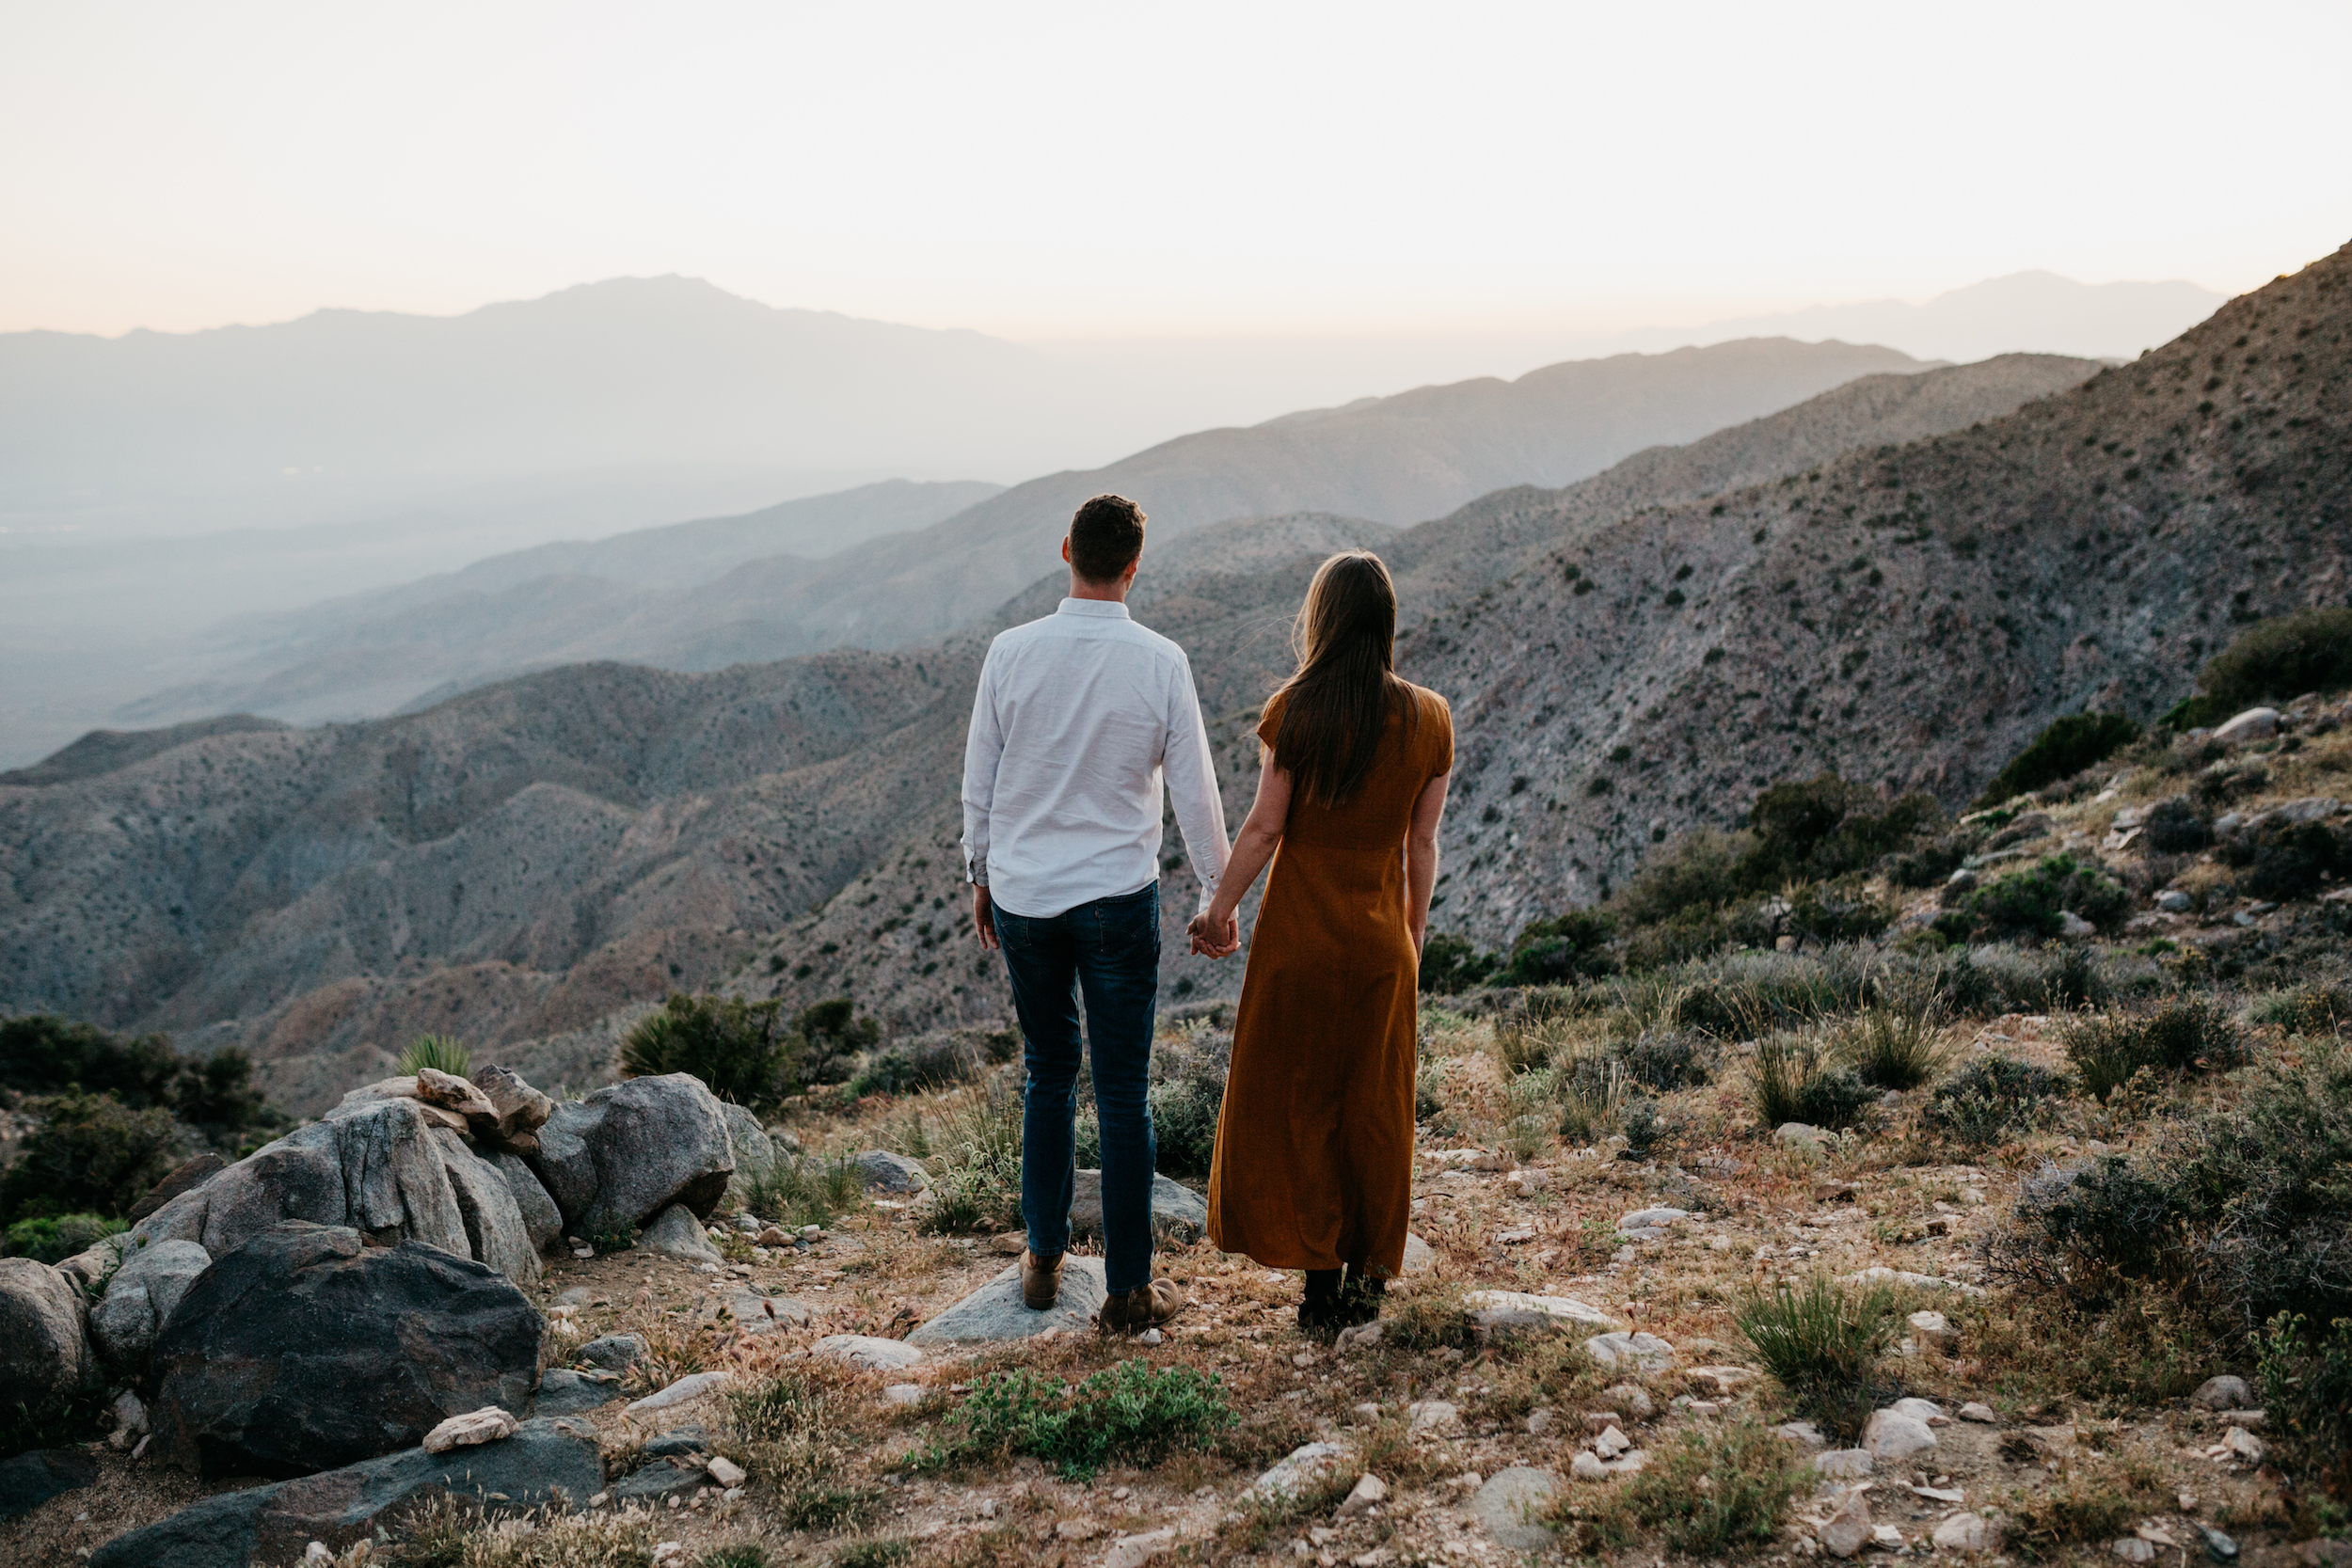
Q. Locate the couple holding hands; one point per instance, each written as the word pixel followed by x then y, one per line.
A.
pixel 1082 719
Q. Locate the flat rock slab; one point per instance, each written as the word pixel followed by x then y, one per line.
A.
pixel 547 1464
pixel 874 1354
pixel 1177 1213
pixel 757 1314
pixel 1564 1307
pixel 650 1483
pixel 564 1393
pixel 1299 1469
pixel 684 1390
pixel 994 1312
pixel 1636 1351
pixel 615 1353
pixel 31 1479
pixel 1420 1257
pixel 676 1234
pixel 1508 1504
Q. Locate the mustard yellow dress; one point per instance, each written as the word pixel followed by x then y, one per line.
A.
pixel 1314 1146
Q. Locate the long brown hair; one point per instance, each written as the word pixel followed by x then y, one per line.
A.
pixel 1338 702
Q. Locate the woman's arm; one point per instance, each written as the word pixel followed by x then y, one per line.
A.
pixel 1218 928
pixel 1420 858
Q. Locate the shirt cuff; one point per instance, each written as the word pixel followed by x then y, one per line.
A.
pixel 977 871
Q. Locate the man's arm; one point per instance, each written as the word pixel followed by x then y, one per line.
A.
pixel 1191 774
pixel 983 748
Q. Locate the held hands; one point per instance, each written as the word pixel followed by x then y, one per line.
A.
pixel 1214 935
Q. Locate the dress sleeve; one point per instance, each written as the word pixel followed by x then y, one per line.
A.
pixel 1439 717
pixel 1271 725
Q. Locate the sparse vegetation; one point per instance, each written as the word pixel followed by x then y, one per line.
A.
pixel 1130 1412
pixel 2065 749
pixel 2275 660
pixel 2178 1036
pixel 441 1053
pixel 1793 1081
pixel 1714 1490
pixel 1822 1341
pixel 1991 1100
pixel 2034 903
pixel 1890 1047
pixel 47 1240
pixel 734 1046
pixel 90 1154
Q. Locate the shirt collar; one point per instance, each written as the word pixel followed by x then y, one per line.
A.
pixel 1108 609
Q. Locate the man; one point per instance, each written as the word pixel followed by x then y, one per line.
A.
pixel 1076 720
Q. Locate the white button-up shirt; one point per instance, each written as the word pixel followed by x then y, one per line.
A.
pixel 1077 718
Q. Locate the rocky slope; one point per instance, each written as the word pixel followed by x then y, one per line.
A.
pixel 532 861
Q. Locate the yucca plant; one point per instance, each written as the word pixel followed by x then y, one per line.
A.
pixel 1792 1082
pixel 1821 1342
pixel 1893 1048
pixel 441 1053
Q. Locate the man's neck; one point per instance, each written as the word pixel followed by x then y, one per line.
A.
pixel 1113 593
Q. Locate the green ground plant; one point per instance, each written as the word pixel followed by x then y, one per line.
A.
pixel 2034 902
pixel 1991 1100
pixel 2275 660
pixel 800 1188
pixel 1791 1080
pixel 2064 749
pixel 1130 1414
pixel 1823 1342
pixel 975 1173
pixel 2307 1381
pixel 47 1240
pixel 2181 1035
pixel 1890 1047
pixel 1715 1489
pixel 441 1053
pixel 90 1154
pixel 736 1048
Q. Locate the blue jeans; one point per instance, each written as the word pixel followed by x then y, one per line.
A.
pixel 1110 949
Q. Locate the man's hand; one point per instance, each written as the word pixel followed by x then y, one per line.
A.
pixel 1213 936
pixel 983 917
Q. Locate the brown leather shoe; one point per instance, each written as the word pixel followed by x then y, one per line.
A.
pixel 1145 1306
pixel 1041 1280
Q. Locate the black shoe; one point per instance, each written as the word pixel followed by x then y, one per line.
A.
pixel 1319 1310
pixel 1359 1298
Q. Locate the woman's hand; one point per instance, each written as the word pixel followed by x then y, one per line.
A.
pixel 1214 935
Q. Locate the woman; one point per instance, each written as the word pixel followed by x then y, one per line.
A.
pixel 1314 1146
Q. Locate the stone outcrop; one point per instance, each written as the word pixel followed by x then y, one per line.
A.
pixel 546 1463
pixel 1179 1214
pixel 621 1156
pixel 306 1349
pixel 542 1220
pixel 753 1150
pixel 495 1233
pixel 139 1299
pixel 44 1348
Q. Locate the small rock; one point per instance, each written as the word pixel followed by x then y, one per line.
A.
pixel 2219 1547
pixel 864 1350
pixel 1631 1398
pixel 1134 1551
pixel 684 1389
pixel 2131 1549
pixel 1844 1464
pixel 994 1313
pixel 1724 1381
pixel 2222 1393
pixel 1636 1350
pixel 488 1424
pixel 1933 1328
pixel 1966 1532
pixel 1540 1422
pixel 1511 1503
pixel 1982 1414
pixel 1297 1469
pixel 1612 1443
pixel 880 1170
pixel 2173 901
pixel 727 1472
pixel 1796 1133
pixel 1432 1416
pixel 1564 1307
pixel 1803 1434
pixel 1369 1489
pixel 1891 1434
pixel 1586 1467
pixel 2243 1446
pixel 615 1353
pixel 1362 1337
pixel 1847 1530
pixel 1921 1410
pixel 317 1551
pixel 903 1393
pixel 2255 724
pixel 676 1234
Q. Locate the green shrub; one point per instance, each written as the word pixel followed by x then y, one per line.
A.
pixel 43 1055
pixel 2321 1008
pixel 1792 1082
pixel 1564 948
pixel 976 1175
pixel 1823 1342
pixel 441 1053
pixel 833 1038
pixel 1129 1414
pixel 2067 747
pixel 1703 869
pixel 2177 1037
pixel 2035 901
pixel 2280 660
pixel 1666 1059
pixel 1892 1048
pixel 90 1154
pixel 1452 964
pixel 734 1046
pixel 800 1190
pixel 1991 1100
pixel 2279 861
pixel 1713 1490
pixel 53 1240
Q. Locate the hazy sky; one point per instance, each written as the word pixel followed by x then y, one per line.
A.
pixel 1044 171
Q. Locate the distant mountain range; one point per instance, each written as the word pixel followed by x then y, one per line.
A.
pixel 642 595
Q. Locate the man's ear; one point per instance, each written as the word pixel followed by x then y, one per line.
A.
pixel 1065 549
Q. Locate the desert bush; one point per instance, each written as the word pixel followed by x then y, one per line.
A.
pixel 440 1053
pixel 1991 1100
pixel 1131 1413
pixel 1791 1081
pixel 49 1239
pixel 1666 1059
pixel 2275 660
pixel 1891 1048
pixel 2285 859
pixel 834 1037
pixel 2098 1499
pixel 801 1189
pixel 1561 949
pixel 736 1048
pixel 2306 1375
pixel 2246 1213
pixel 935 1060
pixel 1452 964
pixel 2319 1008
pixel 43 1055
pixel 1823 1342
pixel 1825 827
pixel 2177 1037
pixel 2034 902
pixel 2062 750
pixel 1715 1489
pixel 1701 869
pixel 90 1154
pixel 2175 827
pixel 975 1174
